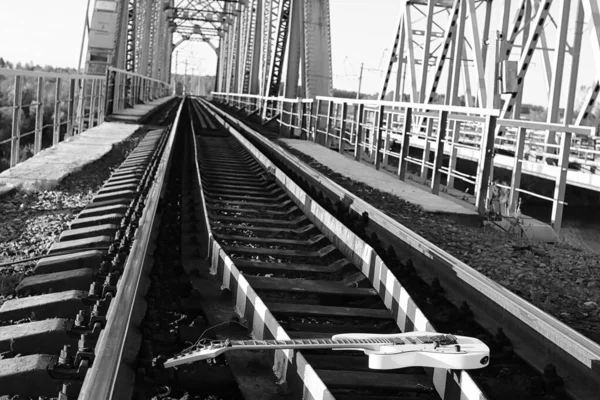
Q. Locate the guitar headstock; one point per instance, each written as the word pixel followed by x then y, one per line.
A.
pixel 202 350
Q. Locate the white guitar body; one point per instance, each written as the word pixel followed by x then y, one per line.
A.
pixel 397 350
pixel 473 353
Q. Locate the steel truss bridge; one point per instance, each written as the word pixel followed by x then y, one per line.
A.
pixel 454 86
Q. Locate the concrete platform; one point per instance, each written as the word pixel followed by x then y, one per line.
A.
pixel 46 169
pixel 359 172
pixel 141 112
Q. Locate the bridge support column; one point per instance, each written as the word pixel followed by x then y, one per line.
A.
pixel 360 132
pixel 516 175
pixel 485 165
pixel 436 176
pixel 561 182
pixel 402 162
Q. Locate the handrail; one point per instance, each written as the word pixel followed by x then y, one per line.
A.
pixel 548 126
pixel 138 75
pixel 417 106
pixel 126 89
pixel 64 105
pixel 43 74
pixel 378 130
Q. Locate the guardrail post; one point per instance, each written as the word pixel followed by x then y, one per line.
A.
pixel 15 144
pixel 343 126
pixel 56 132
pixel 378 129
pixel 561 182
pixel 515 182
pixel 403 163
pixel 70 108
pixel 81 107
pixel 453 153
pixel 485 165
pixel 39 117
pixel 91 117
pixel 101 100
pixel 439 152
pixel 315 124
pixel 328 125
pixel 110 92
pixel 301 106
pixel 387 140
pixel 360 133
pixel 427 147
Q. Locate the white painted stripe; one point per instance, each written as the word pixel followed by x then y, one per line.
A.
pixel 420 321
pixel 469 389
pixel 214 262
pixel 377 274
pixel 312 383
pixel 366 258
pixel 281 176
pixel 390 283
pixel 439 380
pixel 260 313
pixel 227 268
pixel 403 303
pixel 282 357
pixel 242 293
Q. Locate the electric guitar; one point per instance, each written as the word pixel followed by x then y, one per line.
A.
pixel 398 350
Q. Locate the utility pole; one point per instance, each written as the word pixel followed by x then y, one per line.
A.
pixel 176 68
pixel 360 81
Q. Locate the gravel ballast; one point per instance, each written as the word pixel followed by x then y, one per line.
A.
pixel 560 279
pixel 31 222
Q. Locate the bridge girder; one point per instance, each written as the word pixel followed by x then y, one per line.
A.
pixel 429 33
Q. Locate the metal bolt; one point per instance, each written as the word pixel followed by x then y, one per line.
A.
pixel 100 308
pixel 105 268
pixel 95 289
pixel 64 358
pixel 81 319
pixel 84 343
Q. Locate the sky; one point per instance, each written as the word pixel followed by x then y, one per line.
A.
pixel 49 33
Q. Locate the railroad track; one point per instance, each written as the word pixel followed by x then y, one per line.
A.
pixel 295 272
pixel 63 334
pixel 232 229
pixel 543 342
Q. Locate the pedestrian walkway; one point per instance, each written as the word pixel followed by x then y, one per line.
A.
pixel 533 229
pixel 359 172
pixel 140 113
pixel 46 169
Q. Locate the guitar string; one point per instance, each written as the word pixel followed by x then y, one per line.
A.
pixel 206 330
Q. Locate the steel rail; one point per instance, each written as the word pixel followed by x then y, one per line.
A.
pixel 540 337
pixel 103 380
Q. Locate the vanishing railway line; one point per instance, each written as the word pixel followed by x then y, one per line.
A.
pixel 198 210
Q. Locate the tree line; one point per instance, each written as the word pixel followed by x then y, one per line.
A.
pixel 28 114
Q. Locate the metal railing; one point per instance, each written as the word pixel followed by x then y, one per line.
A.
pixel 44 108
pixel 127 89
pixel 381 133
pixel 48 106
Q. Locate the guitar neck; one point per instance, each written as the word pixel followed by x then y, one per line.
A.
pixel 298 344
pixel 370 342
